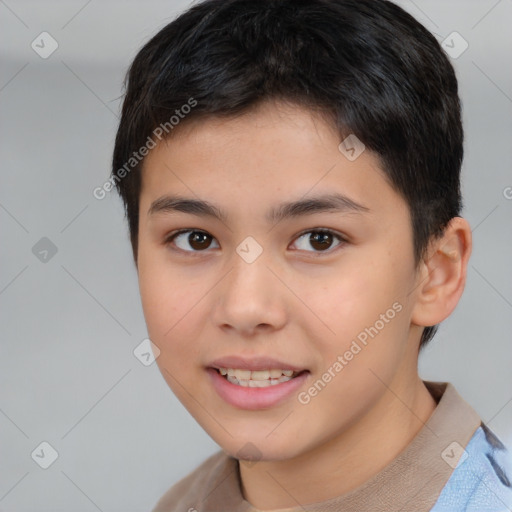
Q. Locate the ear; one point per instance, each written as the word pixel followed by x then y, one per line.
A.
pixel 442 274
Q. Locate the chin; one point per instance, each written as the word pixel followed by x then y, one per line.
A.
pixel 259 448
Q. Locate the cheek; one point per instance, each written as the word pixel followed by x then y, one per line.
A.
pixel 355 298
pixel 170 300
pixel 366 312
pixel 171 311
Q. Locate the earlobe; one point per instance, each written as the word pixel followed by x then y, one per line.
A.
pixel 442 276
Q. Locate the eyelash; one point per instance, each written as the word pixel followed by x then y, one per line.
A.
pixel 342 240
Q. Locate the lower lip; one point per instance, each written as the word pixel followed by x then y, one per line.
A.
pixel 254 398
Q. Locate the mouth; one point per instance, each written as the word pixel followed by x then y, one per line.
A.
pixel 257 378
pixel 255 384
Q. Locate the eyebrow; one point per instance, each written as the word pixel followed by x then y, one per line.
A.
pixel 335 203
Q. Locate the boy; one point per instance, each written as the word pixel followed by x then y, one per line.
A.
pixel 290 172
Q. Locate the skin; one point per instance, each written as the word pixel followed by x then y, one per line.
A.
pixel 296 302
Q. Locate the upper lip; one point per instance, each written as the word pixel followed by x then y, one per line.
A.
pixel 253 363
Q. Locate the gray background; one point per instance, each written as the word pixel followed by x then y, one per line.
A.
pixel 70 324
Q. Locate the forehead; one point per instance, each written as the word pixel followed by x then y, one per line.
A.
pixel 274 153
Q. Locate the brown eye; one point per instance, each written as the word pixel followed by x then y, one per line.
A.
pixel 191 240
pixel 319 240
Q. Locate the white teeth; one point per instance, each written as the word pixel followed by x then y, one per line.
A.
pixel 256 378
pixel 258 375
pixel 243 374
pixel 257 383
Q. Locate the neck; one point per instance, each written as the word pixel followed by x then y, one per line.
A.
pixel 346 461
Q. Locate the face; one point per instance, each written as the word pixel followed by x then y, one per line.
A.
pixel 264 250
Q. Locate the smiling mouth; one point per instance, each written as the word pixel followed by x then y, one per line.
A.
pixel 257 378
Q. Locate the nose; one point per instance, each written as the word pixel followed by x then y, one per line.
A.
pixel 250 299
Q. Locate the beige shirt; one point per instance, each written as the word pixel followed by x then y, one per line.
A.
pixel 411 482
